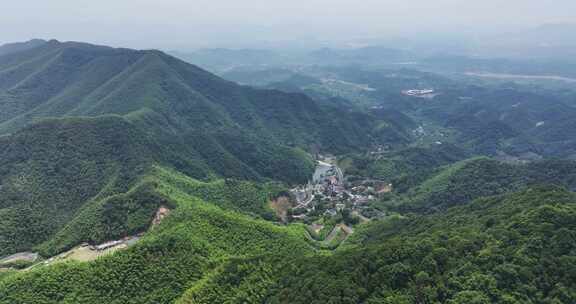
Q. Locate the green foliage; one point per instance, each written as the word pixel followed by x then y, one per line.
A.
pixel 465 181
pixel 152 272
pixel 18 264
pixel 491 251
pixel 76 180
pixel 323 233
pixel 231 194
pixel 235 281
pixel 50 171
pixel 181 101
pixel 404 168
pixel 6 273
pixel 113 217
pixel 184 250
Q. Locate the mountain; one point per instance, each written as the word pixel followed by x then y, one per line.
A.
pixel 74 79
pixel 507 119
pixel 405 168
pixel 197 240
pixel 484 118
pixel 97 120
pixel 525 121
pixel 20 46
pixel 515 248
pixel 60 170
pixel 467 180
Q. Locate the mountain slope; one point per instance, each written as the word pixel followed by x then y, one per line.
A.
pixel 72 79
pixel 175 255
pixel 51 170
pixel 470 179
pixel 517 248
pixel 487 252
pixel 88 177
pixel 20 46
pixel 84 126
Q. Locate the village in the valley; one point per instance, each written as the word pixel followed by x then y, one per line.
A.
pixel 330 194
pixel 331 203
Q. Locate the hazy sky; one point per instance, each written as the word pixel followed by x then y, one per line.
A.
pixel 172 24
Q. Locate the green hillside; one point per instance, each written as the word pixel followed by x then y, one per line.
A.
pixel 517 248
pixel 51 171
pixel 85 179
pixel 20 46
pixel 467 180
pixel 487 252
pixel 404 168
pixel 485 117
pixel 84 125
pixel 75 79
pixel 184 250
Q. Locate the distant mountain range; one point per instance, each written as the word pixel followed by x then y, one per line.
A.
pixel 544 50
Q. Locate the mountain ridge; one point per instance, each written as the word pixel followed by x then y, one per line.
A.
pixel 70 110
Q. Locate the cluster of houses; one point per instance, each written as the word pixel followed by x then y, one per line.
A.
pixel 329 193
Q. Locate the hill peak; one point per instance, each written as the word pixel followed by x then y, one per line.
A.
pixel 10 48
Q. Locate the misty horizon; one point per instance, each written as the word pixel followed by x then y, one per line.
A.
pixel 180 25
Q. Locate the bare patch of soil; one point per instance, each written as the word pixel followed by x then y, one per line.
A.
pixel 281 205
pixel 160 215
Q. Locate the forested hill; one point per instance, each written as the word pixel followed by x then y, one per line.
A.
pixel 20 46
pixel 464 181
pixel 75 79
pixel 51 171
pixel 516 248
pixel 84 125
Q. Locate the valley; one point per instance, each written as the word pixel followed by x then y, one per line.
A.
pixel 331 204
pixel 323 203
pixel 332 176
